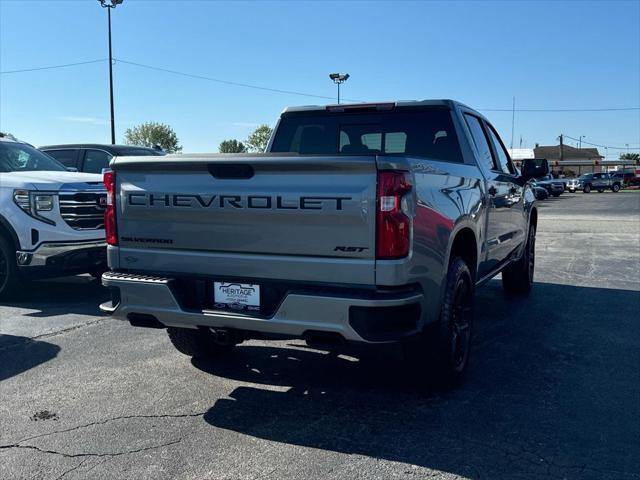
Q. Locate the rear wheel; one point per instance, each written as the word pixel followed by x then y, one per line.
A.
pixel 517 278
pixel 586 188
pixel 9 275
pixel 197 343
pixel 615 187
pixel 440 356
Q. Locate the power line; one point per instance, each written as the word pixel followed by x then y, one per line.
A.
pixel 558 110
pixel 51 67
pixel 603 146
pixel 305 94
pixel 226 82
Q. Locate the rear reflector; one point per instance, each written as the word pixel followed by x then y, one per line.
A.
pixel 110 209
pixel 392 224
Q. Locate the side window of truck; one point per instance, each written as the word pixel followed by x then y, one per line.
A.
pixel 480 141
pixel 66 157
pixel 501 152
pixel 95 161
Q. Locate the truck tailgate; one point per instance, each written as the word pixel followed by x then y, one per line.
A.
pixel 242 213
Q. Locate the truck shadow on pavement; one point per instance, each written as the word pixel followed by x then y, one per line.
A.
pixel 61 296
pixel 552 391
pixel 18 354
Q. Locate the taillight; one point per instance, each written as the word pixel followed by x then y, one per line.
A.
pixel 110 210
pixel 393 225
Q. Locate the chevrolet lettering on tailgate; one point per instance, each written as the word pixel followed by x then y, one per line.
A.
pixel 183 200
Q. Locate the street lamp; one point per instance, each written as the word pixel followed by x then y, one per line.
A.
pixel 339 78
pixel 110 5
pixel 580 140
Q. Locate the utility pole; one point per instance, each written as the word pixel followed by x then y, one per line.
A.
pixel 109 6
pixel 561 147
pixel 580 140
pixel 513 120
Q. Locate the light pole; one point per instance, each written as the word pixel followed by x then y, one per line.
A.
pixel 338 79
pixel 580 140
pixel 112 4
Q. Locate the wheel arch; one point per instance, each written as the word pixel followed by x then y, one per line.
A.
pixel 533 217
pixel 7 231
pixel 464 244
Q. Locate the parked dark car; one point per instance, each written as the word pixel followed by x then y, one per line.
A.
pixel 600 181
pixel 93 157
pixel 554 187
pixel 540 193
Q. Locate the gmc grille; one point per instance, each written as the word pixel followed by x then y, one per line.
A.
pixel 83 210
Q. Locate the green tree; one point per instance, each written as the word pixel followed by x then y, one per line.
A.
pixel 151 134
pixel 232 146
pixel 258 140
pixel 634 157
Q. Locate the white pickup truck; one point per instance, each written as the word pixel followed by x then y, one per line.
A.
pixel 51 219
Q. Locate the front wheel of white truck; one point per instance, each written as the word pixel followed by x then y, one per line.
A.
pixel 9 275
pixel 440 357
pixel 197 343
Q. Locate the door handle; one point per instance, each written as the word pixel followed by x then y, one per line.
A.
pixel 492 191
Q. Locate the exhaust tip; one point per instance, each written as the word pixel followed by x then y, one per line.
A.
pixel 324 340
pixel 144 320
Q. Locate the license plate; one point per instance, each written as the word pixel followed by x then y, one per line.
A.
pixel 237 296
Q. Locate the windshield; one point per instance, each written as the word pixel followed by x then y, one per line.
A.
pixel 424 133
pixel 20 157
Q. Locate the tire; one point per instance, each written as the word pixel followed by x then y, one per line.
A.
pixel 517 278
pixel 10 280
pixel 198 343
pixel 586 188
pixel 555 195
pixel 440 356
pixel 615 187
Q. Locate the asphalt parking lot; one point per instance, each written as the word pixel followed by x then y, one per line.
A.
pixel 553 390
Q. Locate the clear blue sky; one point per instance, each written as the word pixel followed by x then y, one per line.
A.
pixel 569 54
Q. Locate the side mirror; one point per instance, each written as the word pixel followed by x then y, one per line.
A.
pixel 534 168
pixel 71 169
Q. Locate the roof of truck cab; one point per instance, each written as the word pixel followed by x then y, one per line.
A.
pixel 114 149
pixel 397 103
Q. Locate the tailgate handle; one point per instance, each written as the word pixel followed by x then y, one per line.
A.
pixel 230 170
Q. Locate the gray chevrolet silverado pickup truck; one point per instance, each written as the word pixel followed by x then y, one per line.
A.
pixel 367 223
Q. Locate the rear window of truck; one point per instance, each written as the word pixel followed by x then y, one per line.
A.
pixel 423 133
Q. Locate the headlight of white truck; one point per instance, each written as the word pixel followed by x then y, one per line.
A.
pixel 34 202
